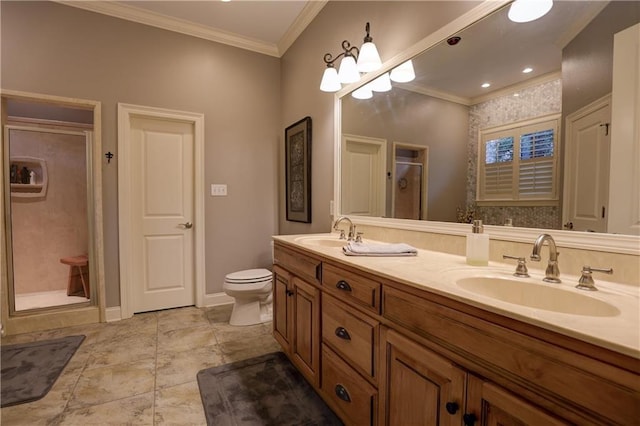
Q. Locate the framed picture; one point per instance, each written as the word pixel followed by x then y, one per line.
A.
pixel 297 142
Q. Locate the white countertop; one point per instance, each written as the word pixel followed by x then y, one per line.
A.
pixel 438 272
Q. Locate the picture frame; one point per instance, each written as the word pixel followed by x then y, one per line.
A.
pixel 297 140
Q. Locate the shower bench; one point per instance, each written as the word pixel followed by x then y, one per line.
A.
pixel 78 284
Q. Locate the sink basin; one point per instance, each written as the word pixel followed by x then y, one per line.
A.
pixel 323 241
pixel 537 296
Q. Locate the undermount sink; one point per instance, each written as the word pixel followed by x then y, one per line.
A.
pixel 537 296
pixel 323 241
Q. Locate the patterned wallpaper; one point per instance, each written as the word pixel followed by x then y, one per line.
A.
pixel 534 101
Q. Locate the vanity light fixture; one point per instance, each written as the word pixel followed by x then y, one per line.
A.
pixel 354 61
pixel 382 83
pixel 363 92
pixel 529 10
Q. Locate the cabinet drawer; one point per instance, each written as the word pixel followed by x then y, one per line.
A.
pixel 302 265
pixel 346 392
pixel 351 287
pixel 353 336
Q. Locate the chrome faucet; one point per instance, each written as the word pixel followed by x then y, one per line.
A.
pixel 352 228
pixel 552 273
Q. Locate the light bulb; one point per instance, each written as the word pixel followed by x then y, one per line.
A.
pixel 368 58
pixel 330 81
pixel 363 92
pixel 403 73
pixel 381 84
pixel 348 72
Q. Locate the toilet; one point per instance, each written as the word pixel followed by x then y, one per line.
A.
pixel 251 290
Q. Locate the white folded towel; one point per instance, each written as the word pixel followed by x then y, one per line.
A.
pixel 371 249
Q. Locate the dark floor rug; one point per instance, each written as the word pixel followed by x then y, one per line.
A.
pixel 266 390
pixel 29 370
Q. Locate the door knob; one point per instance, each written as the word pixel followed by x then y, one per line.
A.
pixel 187 225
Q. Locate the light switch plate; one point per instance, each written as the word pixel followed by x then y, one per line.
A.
pixel 218 190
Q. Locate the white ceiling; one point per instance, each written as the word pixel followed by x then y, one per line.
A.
pixel 264 26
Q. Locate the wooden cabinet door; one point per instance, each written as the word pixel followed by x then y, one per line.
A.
pixel 418 387
pixel 305 340
pixel 490 405
pixel 282 307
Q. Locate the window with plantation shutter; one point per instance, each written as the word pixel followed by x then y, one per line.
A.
pixel 518 163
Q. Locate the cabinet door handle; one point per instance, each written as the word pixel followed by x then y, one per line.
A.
pixel 469 419
pixel 342 393
pixel 289 292
pixel 342 333
pixel 452 407
pixel 343 285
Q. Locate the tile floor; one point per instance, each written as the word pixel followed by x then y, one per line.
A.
pixel 140 371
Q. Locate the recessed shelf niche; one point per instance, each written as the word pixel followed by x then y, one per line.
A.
pixel 30 190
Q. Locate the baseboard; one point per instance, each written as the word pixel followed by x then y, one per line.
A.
pixel 210 300
pixel 113 314
pixel 217 299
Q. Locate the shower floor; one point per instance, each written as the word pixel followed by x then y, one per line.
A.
pixel 45 299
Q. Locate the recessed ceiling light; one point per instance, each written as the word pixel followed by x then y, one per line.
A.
pixel 516 94
pixel 485 85
pixel 527 70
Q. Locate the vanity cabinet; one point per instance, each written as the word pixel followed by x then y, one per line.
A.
pixel 296 302
pixel 380 351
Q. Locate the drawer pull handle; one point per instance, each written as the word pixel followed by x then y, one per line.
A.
pixel 342 393
pixel 343 285
pixel 469 419
pixel 342 333
pixel 289 292
pixel 452 407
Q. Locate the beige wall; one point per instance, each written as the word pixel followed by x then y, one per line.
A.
pixel 54 49
pixel 394 27
pixel 46 229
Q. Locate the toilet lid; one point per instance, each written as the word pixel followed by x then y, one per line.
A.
pixel 249 275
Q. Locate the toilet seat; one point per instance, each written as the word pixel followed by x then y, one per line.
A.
pixel 249 276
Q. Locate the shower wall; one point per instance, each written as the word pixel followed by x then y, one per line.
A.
pixel 44 230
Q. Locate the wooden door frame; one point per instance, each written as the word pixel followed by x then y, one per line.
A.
pixel 67 315
pixel 125 113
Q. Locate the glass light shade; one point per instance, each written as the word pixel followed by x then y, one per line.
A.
pixel 529 10
pixel 330 81
pixel 348 72
pixel 363 92
pixel 368 58
pixel 403 73
pixel 382 83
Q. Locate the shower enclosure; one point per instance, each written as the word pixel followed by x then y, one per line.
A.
pixel 53 253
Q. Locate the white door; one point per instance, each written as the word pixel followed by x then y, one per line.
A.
pixel 363 176
pixel 625 143
pixel 587 167
pixel 163 211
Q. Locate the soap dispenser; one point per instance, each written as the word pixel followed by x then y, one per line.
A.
pixel 477 245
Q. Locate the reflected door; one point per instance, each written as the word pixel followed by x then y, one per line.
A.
pixel 363 176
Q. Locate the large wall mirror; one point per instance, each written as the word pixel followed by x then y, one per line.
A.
pixel 441 147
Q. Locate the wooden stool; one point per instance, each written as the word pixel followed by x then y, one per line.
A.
pixel 78 275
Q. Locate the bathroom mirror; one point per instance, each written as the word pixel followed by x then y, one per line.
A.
pixel 420 140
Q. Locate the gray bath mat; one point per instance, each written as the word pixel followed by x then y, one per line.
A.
pixel 266 390
pixel 29 370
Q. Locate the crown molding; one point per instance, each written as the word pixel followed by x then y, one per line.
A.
pixel 434 93
pixel 146 17
pixel 309 12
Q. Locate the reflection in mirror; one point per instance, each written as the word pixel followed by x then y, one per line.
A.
pixel 558 67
